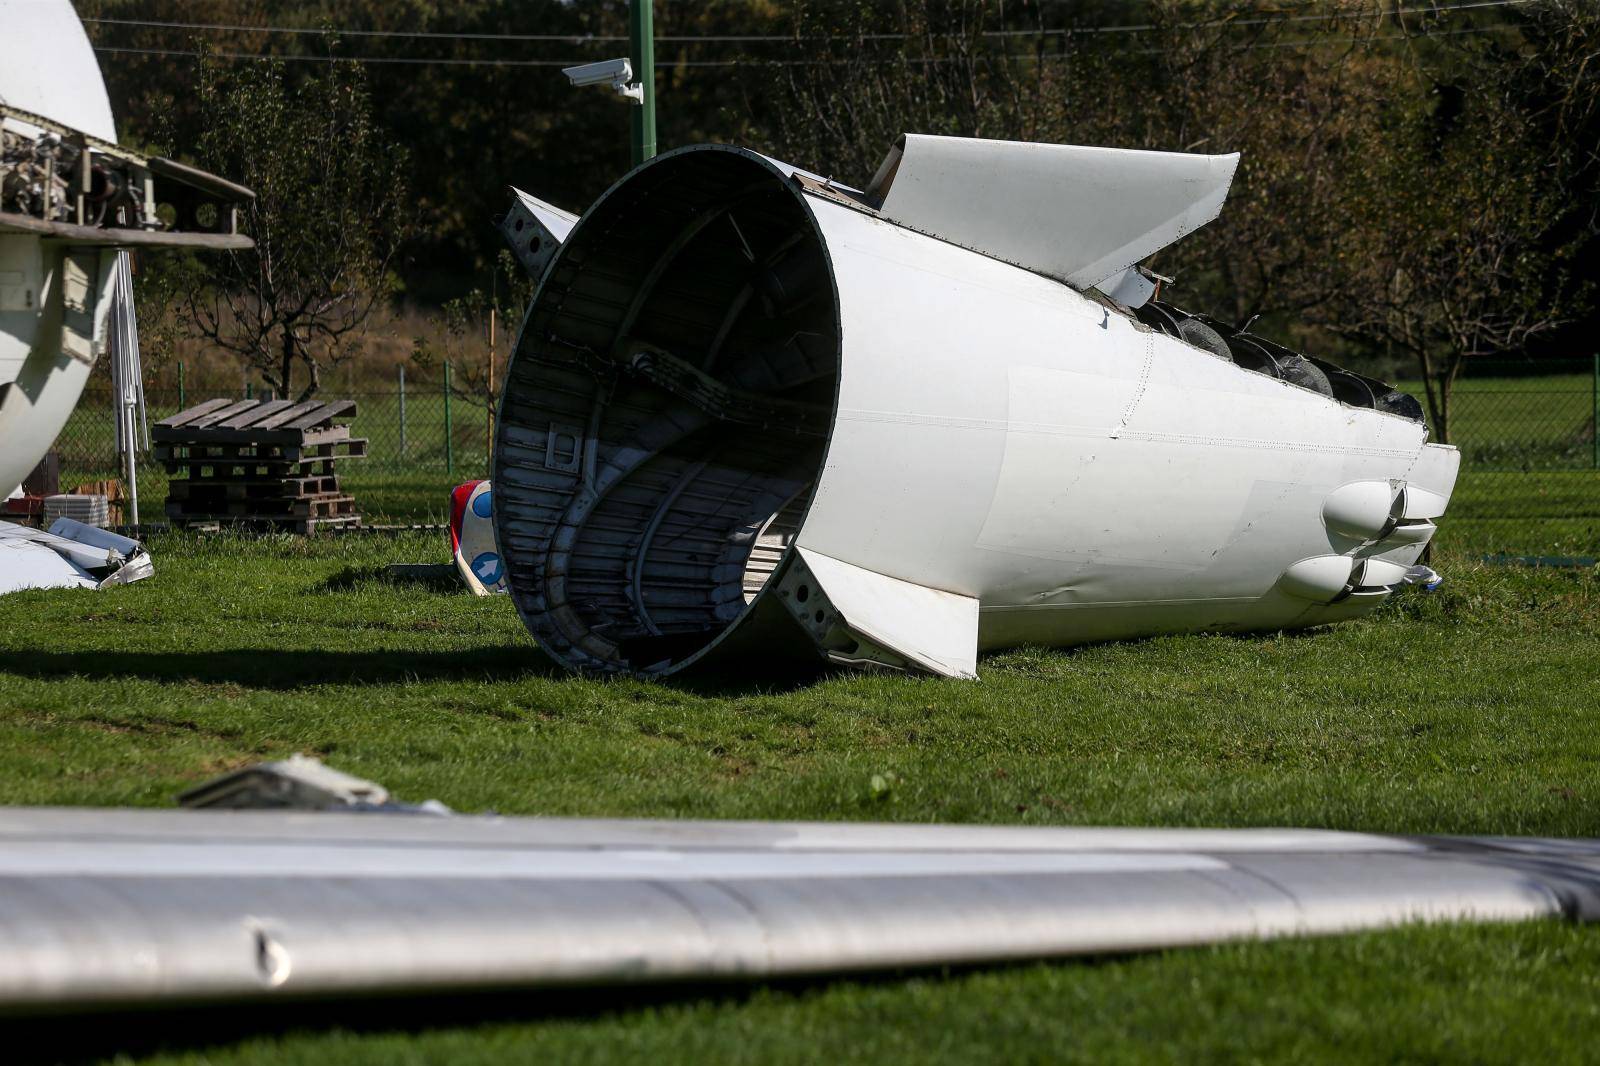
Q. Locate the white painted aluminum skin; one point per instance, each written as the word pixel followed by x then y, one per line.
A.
pixel 54 299
pixel 1003 437
pixel 108 907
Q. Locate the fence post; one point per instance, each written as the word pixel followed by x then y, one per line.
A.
pixel 488 406
pixel 449 436
pixel 402 369
pixel 247 386
pixel 1594 407
pixel 181 404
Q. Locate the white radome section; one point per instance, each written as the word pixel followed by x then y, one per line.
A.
pixel 1080 476
pixel 48 67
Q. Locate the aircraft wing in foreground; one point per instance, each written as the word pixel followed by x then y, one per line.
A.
pixel 109 907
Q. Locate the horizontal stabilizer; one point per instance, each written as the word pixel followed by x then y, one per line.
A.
pixel 1077 214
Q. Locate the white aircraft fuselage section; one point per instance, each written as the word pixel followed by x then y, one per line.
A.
pixel 750 418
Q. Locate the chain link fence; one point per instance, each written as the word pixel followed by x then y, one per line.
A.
pixel 1530 472
pixel 423 439
pixel 1530 461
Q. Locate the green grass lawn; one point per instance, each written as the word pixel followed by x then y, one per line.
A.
pixel 1472 710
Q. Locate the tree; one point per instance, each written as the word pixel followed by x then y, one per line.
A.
pixel 1466 214
pixel 478 371
pixel 331 210
pixel 1212 77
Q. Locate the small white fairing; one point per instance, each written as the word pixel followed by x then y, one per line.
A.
pixel 534 230
pixel 557 221
pixel 936 631
pixel 914 405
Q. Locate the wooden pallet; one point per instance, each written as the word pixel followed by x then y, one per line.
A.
pixel 252 488
pixel 271 454
pixel 246 421
pixel 331 505
pixel 248 470
pixel 272 523
pixel 258 463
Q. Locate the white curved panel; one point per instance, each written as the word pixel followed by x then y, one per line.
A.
pixel 1422 503
pixel 1435 472
pixel 1075 213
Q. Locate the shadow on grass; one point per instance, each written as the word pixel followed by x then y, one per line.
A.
pixel 287 669
pixel 175 1030
pixel 426 576
pixel 86 1038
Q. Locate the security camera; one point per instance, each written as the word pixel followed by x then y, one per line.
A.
pixel 607 70
pixel 614 72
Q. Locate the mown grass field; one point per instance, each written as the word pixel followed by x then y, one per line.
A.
pixel 1472 710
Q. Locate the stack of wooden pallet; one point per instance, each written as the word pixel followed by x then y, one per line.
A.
pixel 261 463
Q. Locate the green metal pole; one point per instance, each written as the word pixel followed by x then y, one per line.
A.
pixel 642 43
pixel 1594 429
pixel 449 435
pixel 402 369
pixel 180 385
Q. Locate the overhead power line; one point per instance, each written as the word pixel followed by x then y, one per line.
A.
pixel 750 61
pixel 423 61
pixel 565 38
pixel 589 39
